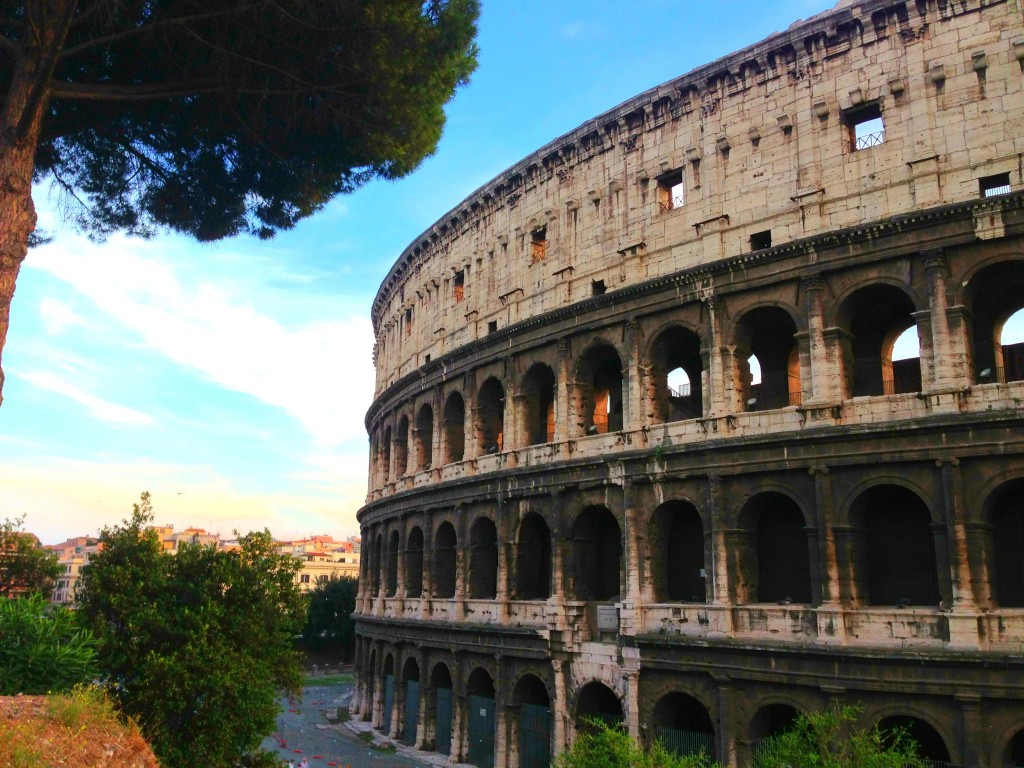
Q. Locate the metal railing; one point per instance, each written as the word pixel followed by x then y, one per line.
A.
pixel 869 140
pixel 683 390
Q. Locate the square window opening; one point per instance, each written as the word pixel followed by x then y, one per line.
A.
pixel 866 127
pixel 671 192
pixel 997 184
pixel 492 326
pixel 459 285
pixel 538 244
pixel 426 359
pixel 598 288
pixel 760 240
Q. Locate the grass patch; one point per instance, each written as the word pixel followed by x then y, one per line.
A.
pixel 386 748
pixel 366 737
pixel 328 680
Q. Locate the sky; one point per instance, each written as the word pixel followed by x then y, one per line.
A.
pixel 231 380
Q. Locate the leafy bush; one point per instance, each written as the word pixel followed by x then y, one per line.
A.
pixel 814 741
pixel 600 745
pixel 42 648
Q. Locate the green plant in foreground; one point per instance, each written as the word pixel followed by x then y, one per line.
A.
pixel 600 745
pixel 814 741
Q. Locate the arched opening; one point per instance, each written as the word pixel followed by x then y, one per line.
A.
pixel 777 563
pixel 597 555
pixel 772 720
pixel 539 405
pixel 482 723
pixel 411 677
pixel 534 722
pixel 995 298
pixel 414 564
pixel 424 436
pixel 490 417
pixel 930 745
pixel 402 447
pixel 675 378
pixel 389 694
pixel 454 428
pixel 598 391
pixel 876 316
pixel 683 725
pixel 677 557
pixel 1007 516
pixel 597 701
pixel 483 560
pixel 440 701
pixel 1013 755
pixel 768 333
pixel 444 561
pixel 387 454
pixel 392 569
pixel 533 559
pixel 897 551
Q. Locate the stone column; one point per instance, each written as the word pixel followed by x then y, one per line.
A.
pixel 936 270
pixel 632 604
pixel 818 379
pixel 923 319
pixel 520 437
pixel 459 711
pixel 720 587
pixel 963 624
pixel 377 715
pixel 839 361
pixel 831 627
pixel 559 709
pixel 462 547
pixel 714 377
pixel 632 677
pixel 501 718
pixel 726 720
pixel 563 385
pixel 973 749
pixel 501 591
pixel 427 592
pixel 632 393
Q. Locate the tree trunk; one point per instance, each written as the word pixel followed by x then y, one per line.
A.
pixel 21 116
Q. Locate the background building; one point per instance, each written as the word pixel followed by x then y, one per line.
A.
pixel 641 447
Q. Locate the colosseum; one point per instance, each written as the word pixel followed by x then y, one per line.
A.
pixel 641 447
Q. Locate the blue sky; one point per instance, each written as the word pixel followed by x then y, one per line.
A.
pixel 231 380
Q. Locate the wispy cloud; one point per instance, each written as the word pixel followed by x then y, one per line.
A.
pixel 99 408
pixel 318 372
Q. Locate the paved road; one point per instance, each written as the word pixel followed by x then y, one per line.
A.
pixel 303 732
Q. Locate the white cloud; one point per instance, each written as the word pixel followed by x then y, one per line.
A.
pixel 56 316
pixel 98 407
pixel 318 372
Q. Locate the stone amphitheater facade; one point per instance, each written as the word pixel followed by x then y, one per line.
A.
pixel 584 500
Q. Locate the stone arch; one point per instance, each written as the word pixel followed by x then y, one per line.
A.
pixel 394 543
pixel 675 347
pixel 767 332
pixel 930 743
pixel 414 563
pixel 597 390
pixel 490 416
pixel 440 708
pixel 482 723
pixel 483 559
pixel 994 293
pixel 533 558
pixel 402 446
pixel 873 317
pixel 677 553
pixel 892 547
pixel 596 543
pixel 445 557
pixel 538 404
pixel 1004 511
pixel 1013 753
pixel 388 703
pixel 424 436
pixel 454 434
pixel 411 700
pixel 533 723
pixel 376 563
pixel 772 719
pixel 774 550
pixel 683 724
pixel 597 700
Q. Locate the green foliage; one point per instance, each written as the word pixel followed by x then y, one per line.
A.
pixel 600 745
pixel 817 740
pixel 194 646
pixel 331 604
pixel 42 648
pixel 228 116
pixel 25 566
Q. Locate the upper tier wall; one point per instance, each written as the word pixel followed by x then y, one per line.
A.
pixel 763 143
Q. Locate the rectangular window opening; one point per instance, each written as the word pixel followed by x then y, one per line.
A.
pixel 671 192
pixel 538 244
pixel 459 285
pixel 866 127
pixel 426 359
pixel 492 326
pixel 760 240
pixel 598 288
pixel 408 321
pixel 998 184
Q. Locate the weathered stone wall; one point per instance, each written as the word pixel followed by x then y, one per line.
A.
pixel 555 522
